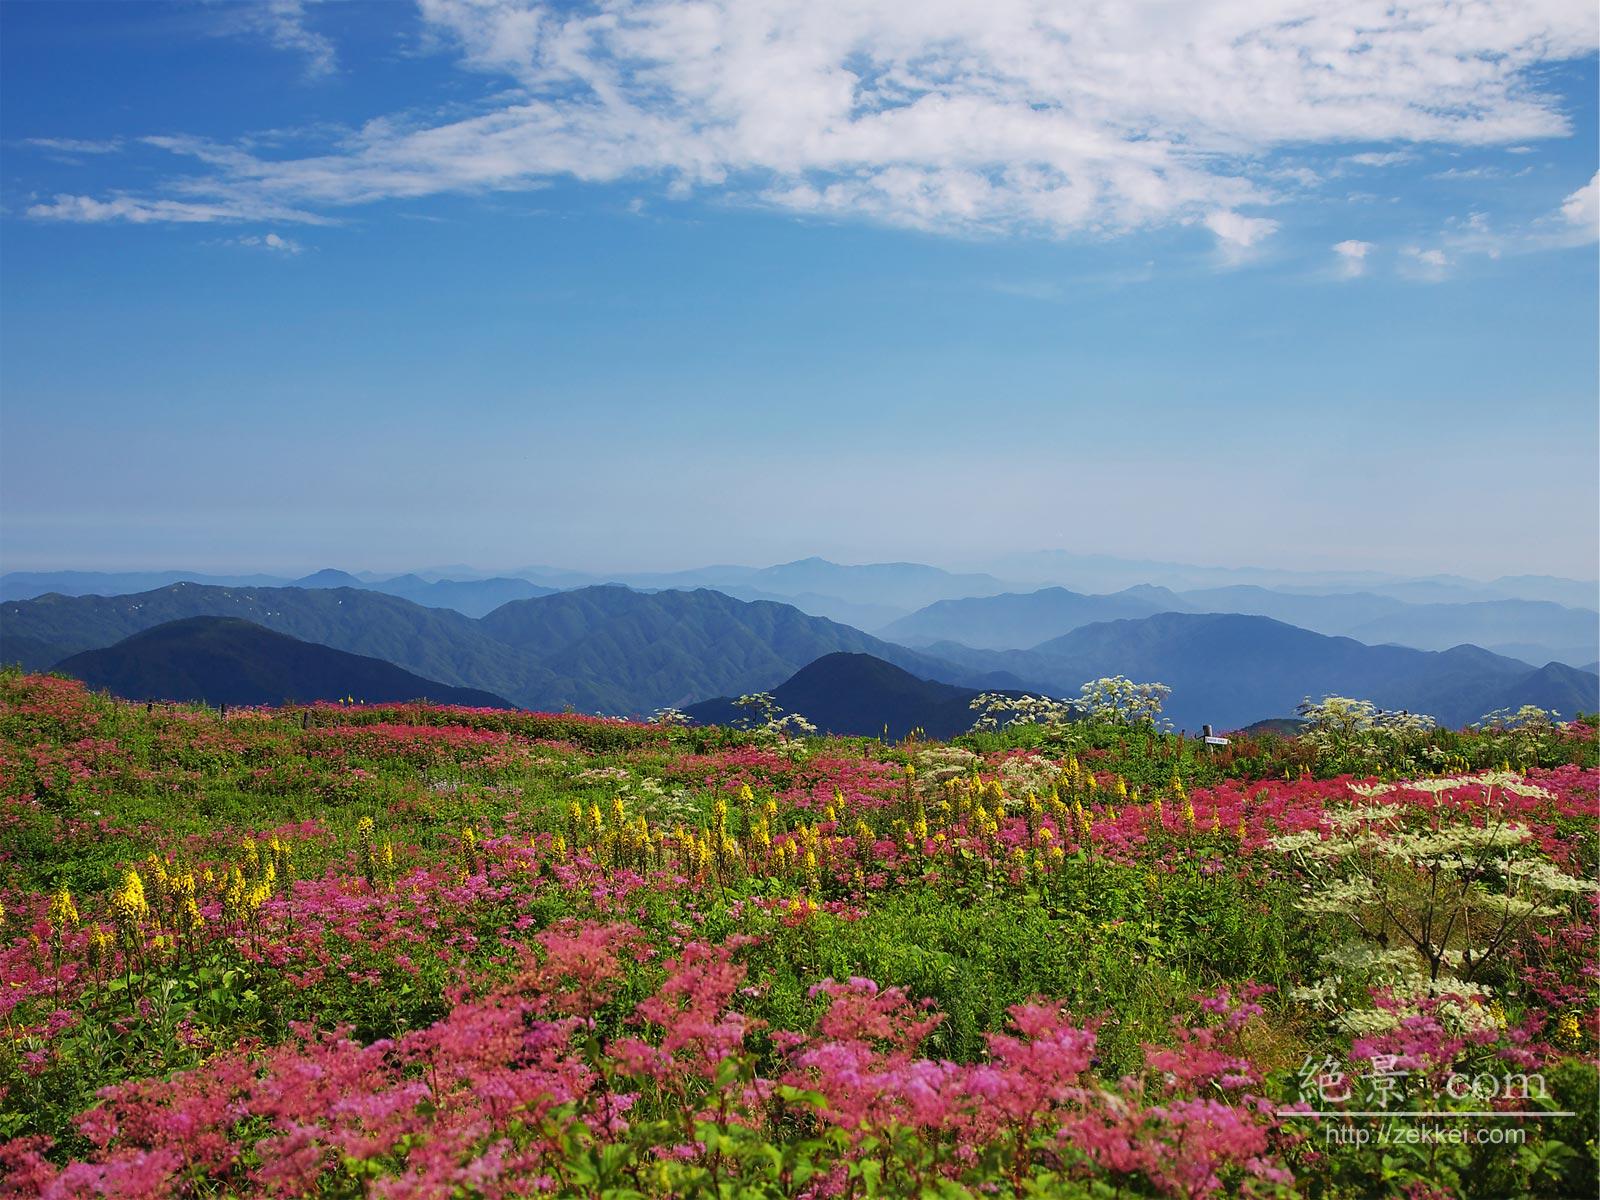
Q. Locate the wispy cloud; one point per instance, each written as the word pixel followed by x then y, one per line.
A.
pixel 1429 264
pixel 1581 210
pixel 283 24
pixel 1239 236
pixel 273 242
pixel 1352 258
pixel 75 145
pixel 1383 158
pixel 1016 116
pixel 1482 171
pixel 141 211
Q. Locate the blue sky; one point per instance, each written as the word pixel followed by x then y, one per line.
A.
pixel 1298 285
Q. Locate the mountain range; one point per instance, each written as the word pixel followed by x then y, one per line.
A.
pixel 1229 669
pixel 1536 631
pixel 608 649
pixel 223 660
pixel 617 650
pixel 1534 618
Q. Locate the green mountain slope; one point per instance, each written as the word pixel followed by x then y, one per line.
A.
pixel 651 650
pixel 605 649
pixel 223 660
pixel 434 643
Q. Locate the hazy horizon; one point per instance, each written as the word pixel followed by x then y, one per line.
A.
pixel 1000 568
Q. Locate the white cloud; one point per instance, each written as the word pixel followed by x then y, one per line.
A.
pixel 274 242
pixel 76 145
pixel 1582 208
pixel 1238 235
pixel 1352 256
pixel 1429 265
pixel 1387 158
pixel 1012 116
pixel 283 24
pixel 139 211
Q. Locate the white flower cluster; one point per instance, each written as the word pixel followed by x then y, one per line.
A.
pixel 938 764
pixel 1530 718
pixel 1341 725
pixel 769 722
pixel 1024 773
pixel 1435 895
pixel 996 710
pixel 1121 701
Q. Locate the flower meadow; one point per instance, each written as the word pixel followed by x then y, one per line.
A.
pixel 397 951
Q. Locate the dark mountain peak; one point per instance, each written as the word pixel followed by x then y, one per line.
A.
pixel 228 660
pixel 850 669
pixel 860 695
pixel 328 577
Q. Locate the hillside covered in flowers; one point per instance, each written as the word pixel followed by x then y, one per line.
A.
pixel 407 951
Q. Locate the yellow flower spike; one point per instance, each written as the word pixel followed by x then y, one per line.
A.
pixel 99 947
pixel 1122 788
pixel 63 912
pixel 619 815
pixel 746 796
pixel 128 901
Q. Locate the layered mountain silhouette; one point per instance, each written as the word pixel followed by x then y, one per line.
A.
pixel 616 650
pixel 1535 618
pixel 1535 631
pixel 859 695
pixel 470 597
pixel 223 660
pixel 605 649
pixel 638 651
pixel 1014 620
pixel 1229 670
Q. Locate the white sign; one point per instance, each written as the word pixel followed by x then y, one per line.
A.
pixel 1216 741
